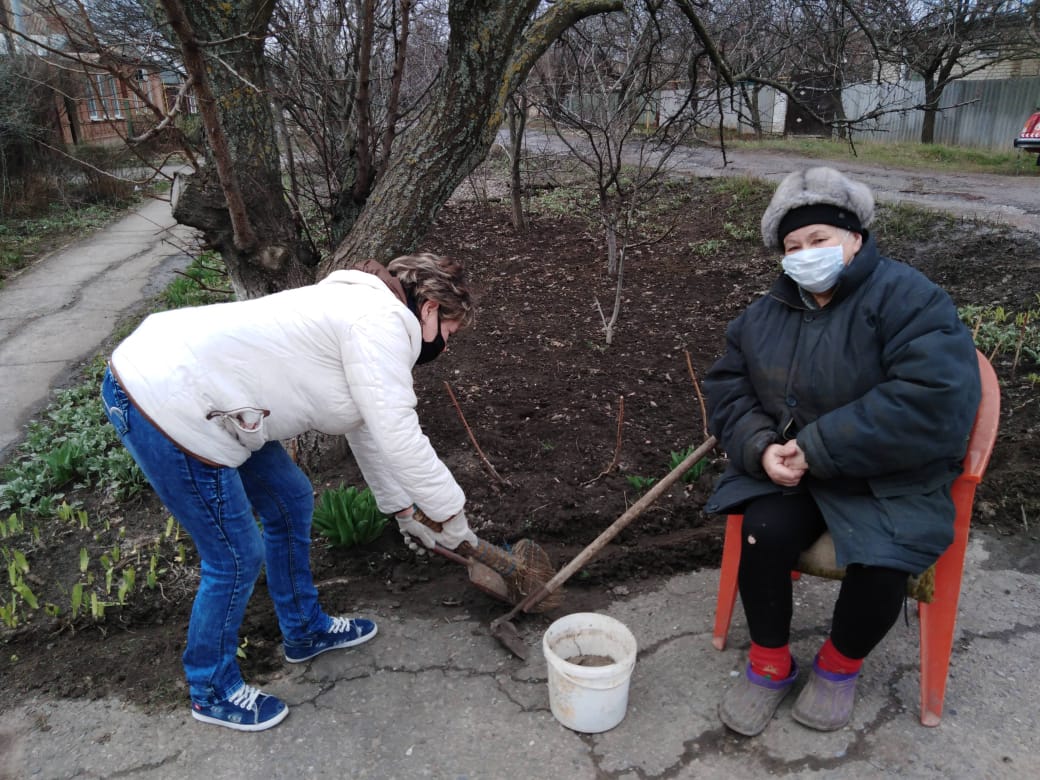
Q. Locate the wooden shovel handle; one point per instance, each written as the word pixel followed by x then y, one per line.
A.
pixel 484 552
pixel 615 528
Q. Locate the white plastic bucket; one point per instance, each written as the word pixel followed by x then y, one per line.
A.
pixel 589 699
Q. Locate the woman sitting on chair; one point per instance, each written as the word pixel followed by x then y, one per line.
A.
pixel 844 401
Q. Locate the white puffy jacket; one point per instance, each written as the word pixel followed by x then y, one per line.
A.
pixel 334 357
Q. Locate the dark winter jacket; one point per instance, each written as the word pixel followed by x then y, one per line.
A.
pixel 880 389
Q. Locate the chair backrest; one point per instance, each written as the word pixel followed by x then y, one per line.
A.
pixel 987 418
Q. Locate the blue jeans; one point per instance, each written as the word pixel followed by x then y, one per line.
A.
pixel 216 506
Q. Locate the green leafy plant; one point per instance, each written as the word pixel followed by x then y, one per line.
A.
pixel 348 516
pixel 204 281
pixel 691 474
pixel 997 331
pixel 675 459
pixel 73 444
pixel 741 232
pixel 640 484
pixel 708 247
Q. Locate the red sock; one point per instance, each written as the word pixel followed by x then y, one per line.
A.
pixel 771 662
pixel 830 660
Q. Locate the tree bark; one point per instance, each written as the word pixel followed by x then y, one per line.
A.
pixel 931 105
pixel 492 46
pixel 489 55
pixel 517 122
pixel 237 200
pixel 395 81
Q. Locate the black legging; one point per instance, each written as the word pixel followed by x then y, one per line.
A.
pixel 776 530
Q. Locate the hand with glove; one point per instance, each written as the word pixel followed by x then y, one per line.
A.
pixel 454 531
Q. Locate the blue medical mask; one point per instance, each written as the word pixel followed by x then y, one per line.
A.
pixel 816 269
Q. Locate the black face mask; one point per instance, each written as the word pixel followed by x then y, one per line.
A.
pixel 431 349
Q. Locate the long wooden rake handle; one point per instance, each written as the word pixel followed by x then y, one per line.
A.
pixel 613 530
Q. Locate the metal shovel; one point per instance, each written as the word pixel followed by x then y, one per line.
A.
pixel 506 633
pixel 480 576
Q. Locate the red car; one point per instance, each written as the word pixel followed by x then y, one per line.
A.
pixel 1029 139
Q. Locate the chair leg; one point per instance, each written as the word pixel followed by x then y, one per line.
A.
pixel 939 618
pixel 727 580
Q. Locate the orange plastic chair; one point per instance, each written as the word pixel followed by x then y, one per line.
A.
pixel 937 617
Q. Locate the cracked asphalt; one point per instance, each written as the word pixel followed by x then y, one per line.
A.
pixel 437 698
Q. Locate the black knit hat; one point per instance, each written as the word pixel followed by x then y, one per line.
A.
pixel 818 214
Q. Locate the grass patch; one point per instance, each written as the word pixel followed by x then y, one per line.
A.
pixel 71 447
pixel 748 198
pixel 905 222
pixel 933 157
pixel 24 240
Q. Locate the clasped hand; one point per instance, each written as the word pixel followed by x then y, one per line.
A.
pixel 785 463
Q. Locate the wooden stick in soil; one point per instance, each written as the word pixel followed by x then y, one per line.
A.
pixel 697 389
pixel 617 445
pixel 506 632
pixel 473 439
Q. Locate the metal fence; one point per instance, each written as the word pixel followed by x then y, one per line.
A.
pixel 980 113
pixel 976 113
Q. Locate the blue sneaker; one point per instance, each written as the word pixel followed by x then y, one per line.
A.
pixel 344 632
pixel 247 709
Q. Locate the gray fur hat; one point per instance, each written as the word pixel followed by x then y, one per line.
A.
pixel 816 196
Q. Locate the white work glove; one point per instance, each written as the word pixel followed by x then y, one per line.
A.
pixel 454 531
pixel 412 530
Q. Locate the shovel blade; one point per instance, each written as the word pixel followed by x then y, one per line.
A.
pixel 488 580
pixel 481 576
pixel 506 633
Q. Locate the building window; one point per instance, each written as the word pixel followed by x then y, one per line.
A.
pixel 103 98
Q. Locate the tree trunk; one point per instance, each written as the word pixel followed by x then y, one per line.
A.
pixel 617 298
pixel 610 233
pixel 270 256
pixel 492 46
pixel 489 55
pixel 932 94
pixel 517 122
pixel 317 452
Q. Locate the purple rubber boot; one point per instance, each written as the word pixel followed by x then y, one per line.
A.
pixel 826 701
pixel 748 706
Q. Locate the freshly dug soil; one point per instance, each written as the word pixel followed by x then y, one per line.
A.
pixel 572 429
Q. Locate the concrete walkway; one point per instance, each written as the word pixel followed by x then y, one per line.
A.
pixel 434 696
pixel 57 313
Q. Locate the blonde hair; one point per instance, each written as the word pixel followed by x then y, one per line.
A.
pixel 441 280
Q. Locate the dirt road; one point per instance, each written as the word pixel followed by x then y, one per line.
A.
pixel 1010 200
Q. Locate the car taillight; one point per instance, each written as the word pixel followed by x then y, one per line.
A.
pixel 1032 128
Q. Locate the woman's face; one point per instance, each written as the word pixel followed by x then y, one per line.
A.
pixel 429 319
pixel 813 236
